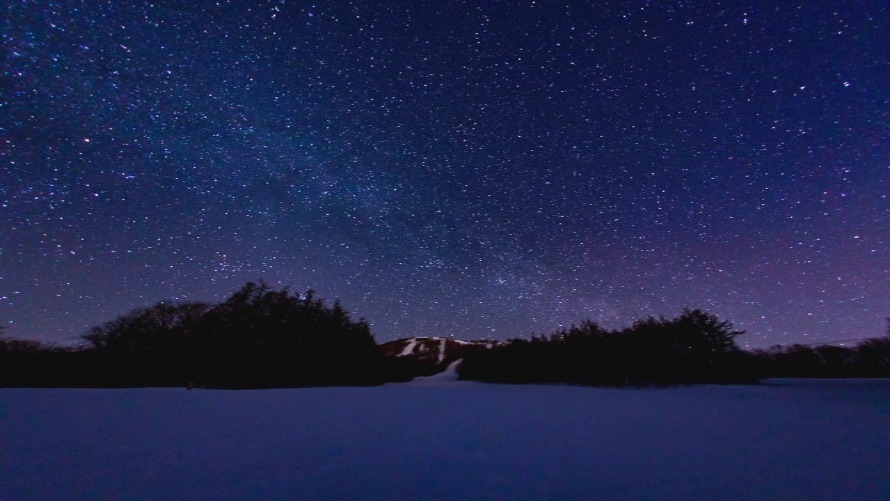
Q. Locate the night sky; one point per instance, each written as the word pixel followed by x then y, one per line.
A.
pixel 456 168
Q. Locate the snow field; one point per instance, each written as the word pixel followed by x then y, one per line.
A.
pixel 437 438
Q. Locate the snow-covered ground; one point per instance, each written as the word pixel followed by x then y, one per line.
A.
pixel 437 438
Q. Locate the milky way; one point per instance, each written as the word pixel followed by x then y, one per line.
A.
pixel 472 169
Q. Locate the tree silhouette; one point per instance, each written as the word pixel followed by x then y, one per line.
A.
pixel 695 347
pixel 260 336
pixel 256 337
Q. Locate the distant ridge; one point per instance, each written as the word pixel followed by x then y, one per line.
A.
pixel 432 355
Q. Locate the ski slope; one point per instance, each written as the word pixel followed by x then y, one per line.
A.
pixel 437 438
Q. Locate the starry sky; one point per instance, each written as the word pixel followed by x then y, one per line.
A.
pixel 455 168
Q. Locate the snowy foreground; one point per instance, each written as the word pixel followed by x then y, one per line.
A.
pixel 440 439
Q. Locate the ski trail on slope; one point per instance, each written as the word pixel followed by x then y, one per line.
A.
pixel 448 376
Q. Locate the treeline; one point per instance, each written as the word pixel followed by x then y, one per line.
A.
pixel 695 347
pixel 264 338
pixel 257 338
pixel 869 358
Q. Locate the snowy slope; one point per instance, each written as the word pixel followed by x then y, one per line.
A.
pixel 437 352
pixel 440 439
pixel 446 377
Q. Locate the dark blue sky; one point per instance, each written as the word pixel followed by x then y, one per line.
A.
pixel 476 169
